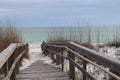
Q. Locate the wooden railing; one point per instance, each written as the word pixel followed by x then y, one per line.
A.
pixel 55 51
pixel 10 60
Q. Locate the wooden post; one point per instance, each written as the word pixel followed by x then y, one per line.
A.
pixel 71 66
pixel 0 74
pixel 6 68
pixel 62 60
pixel 52 55
pixel 18 63
pixel 84 67
pixel 57 60
pixel 57 57
pixel 12 77
pixel 111 78
pixel 17 66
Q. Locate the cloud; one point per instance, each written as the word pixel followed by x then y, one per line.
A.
pixel 58 9
pixel 5 12
pixel 12 12
pixel 62 6
pixel 28 1
pixel 48 1
pixel 54 1
pixel 97 2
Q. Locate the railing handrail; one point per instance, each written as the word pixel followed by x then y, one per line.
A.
pixel 10 59
pixel 98 57
pixel 88 54
pixel 6 53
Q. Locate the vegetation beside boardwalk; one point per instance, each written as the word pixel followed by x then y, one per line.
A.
pixel 10 33
pixel 87 36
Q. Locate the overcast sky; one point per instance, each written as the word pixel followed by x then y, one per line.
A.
pixel 60 12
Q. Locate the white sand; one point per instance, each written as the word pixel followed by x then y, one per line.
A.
pixel 35 54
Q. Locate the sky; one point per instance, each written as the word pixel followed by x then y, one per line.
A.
pixel 60 12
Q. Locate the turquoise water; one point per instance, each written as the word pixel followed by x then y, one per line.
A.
pixel 35 36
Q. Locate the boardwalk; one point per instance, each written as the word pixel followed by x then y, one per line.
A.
pixel 41 71
pixel 12 57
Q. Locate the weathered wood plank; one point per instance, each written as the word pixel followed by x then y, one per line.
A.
pixel 5 54
pixel 63 78
pixel 88 55
pixel 9 60
pixel 14 65
pixel 41 71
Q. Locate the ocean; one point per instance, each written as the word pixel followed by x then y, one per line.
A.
pixel 36 35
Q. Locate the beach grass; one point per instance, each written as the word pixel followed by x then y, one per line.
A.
pixel 10 33
pixel 87 35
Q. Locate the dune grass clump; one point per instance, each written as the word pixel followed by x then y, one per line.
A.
pixel 88 36
pixel 78 35
pixel 114 44
pixel 9 34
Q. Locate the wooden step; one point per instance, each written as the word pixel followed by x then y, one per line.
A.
pixel 41 71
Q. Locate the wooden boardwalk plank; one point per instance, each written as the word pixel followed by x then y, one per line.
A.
pixel 41 71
